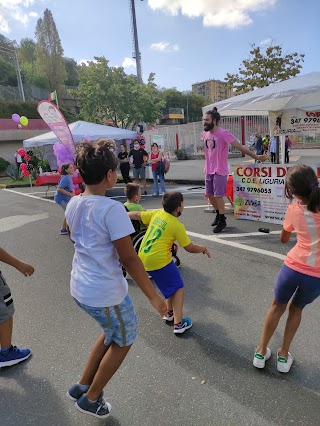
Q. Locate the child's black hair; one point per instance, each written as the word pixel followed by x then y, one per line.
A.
pixel 171 201
pixel 94 160
pixel 214 115
pixel 64 168
pixel 302 181
pixel 131 190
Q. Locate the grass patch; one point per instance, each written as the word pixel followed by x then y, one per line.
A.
pixel 10 182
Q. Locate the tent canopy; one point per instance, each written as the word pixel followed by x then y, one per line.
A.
pixel 302 92
pixel 79 130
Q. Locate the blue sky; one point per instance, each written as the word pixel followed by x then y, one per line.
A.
pixel 181 41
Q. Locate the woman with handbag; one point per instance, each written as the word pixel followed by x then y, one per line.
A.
pixel 157 163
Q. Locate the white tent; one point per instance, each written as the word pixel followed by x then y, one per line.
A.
pixel 79 130
pixel 302 92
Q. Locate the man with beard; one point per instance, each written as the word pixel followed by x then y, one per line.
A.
pixel 216 146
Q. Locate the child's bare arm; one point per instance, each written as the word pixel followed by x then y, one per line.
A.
pixel 135 215
pixel 285 236
pixel 22 267
pixel 134 266
pixel 196 248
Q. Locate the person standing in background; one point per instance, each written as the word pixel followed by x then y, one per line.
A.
pixel 124 163
pixel 18 159
pixel 287 146
pixel 273 149
pixel 139 161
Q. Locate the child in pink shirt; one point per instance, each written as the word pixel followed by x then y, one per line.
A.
pixel 299 277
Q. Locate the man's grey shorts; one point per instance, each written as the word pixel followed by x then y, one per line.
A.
pixel 139 173
pixel 6 301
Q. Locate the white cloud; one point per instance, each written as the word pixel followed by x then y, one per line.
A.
pixel 33 14
pixel 215 13
pixel 86 61
pixel 266 42
pixel 15 10
pixel 129 63
pixel 164 47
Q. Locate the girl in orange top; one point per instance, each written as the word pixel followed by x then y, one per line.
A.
pixel 299 277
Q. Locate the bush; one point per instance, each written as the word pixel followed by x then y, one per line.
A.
pixel 28 109
pixel 3 164
pixel 14 172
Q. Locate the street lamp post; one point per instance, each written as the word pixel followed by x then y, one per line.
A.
pixel 137 54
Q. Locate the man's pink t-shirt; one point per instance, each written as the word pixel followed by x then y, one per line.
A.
pixel 216 148
pixel 304 257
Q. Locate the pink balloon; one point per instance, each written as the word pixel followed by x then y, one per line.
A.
pixel 16 118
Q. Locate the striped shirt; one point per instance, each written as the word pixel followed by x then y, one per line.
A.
pixel 304 257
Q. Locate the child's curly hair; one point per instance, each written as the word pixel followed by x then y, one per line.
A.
pixel 94 160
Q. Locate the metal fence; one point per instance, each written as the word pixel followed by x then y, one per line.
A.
pixel 187 137
pixel 30 93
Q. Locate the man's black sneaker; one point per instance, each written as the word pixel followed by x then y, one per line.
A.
pixel 216 221
pixel 221 225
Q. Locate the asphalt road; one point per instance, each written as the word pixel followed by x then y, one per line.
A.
pixel 204 377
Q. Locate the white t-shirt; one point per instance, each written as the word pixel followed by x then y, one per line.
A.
pixel 96 277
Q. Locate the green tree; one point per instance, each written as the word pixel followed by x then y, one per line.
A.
pixel 72 72
pixel 49 52
pixel 108 93
pixel 265 67
pixel 8 75
pixel 192 103
pixel 31 73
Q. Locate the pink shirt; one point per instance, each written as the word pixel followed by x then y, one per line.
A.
pixel 304 257
pixel 216 148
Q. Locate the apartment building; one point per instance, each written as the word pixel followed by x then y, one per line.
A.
pixel 215 90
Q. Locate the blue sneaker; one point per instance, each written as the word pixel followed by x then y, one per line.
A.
pixel 76 391
pixel 182 326
pixel 100 408
pixel 14 356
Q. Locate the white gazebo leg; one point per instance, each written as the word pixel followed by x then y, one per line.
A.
pixel 282 147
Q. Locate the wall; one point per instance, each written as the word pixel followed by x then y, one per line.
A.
pixel 9 130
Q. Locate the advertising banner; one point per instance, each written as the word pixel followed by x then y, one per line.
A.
pixel 294 121
pixel 57 123
pixel 259 192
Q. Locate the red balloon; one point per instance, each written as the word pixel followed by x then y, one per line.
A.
pixel 27 157
pixel 77 191
pixel 21 152
pixel 23 166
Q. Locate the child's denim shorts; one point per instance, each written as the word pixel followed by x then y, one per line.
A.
pixel 119 322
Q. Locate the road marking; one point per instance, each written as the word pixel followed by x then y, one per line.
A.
pixel 39 192
pixel 202 205
pixel 218 240
pixel 249 234
pixel 236 245
pixel 28 195
pixel 13 222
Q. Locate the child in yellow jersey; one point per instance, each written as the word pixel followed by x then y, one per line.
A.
pixel 164 229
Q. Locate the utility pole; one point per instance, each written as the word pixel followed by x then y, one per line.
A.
pixel 136 54
pixel 14 55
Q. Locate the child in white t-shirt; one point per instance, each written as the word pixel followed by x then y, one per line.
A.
pixel 100 229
